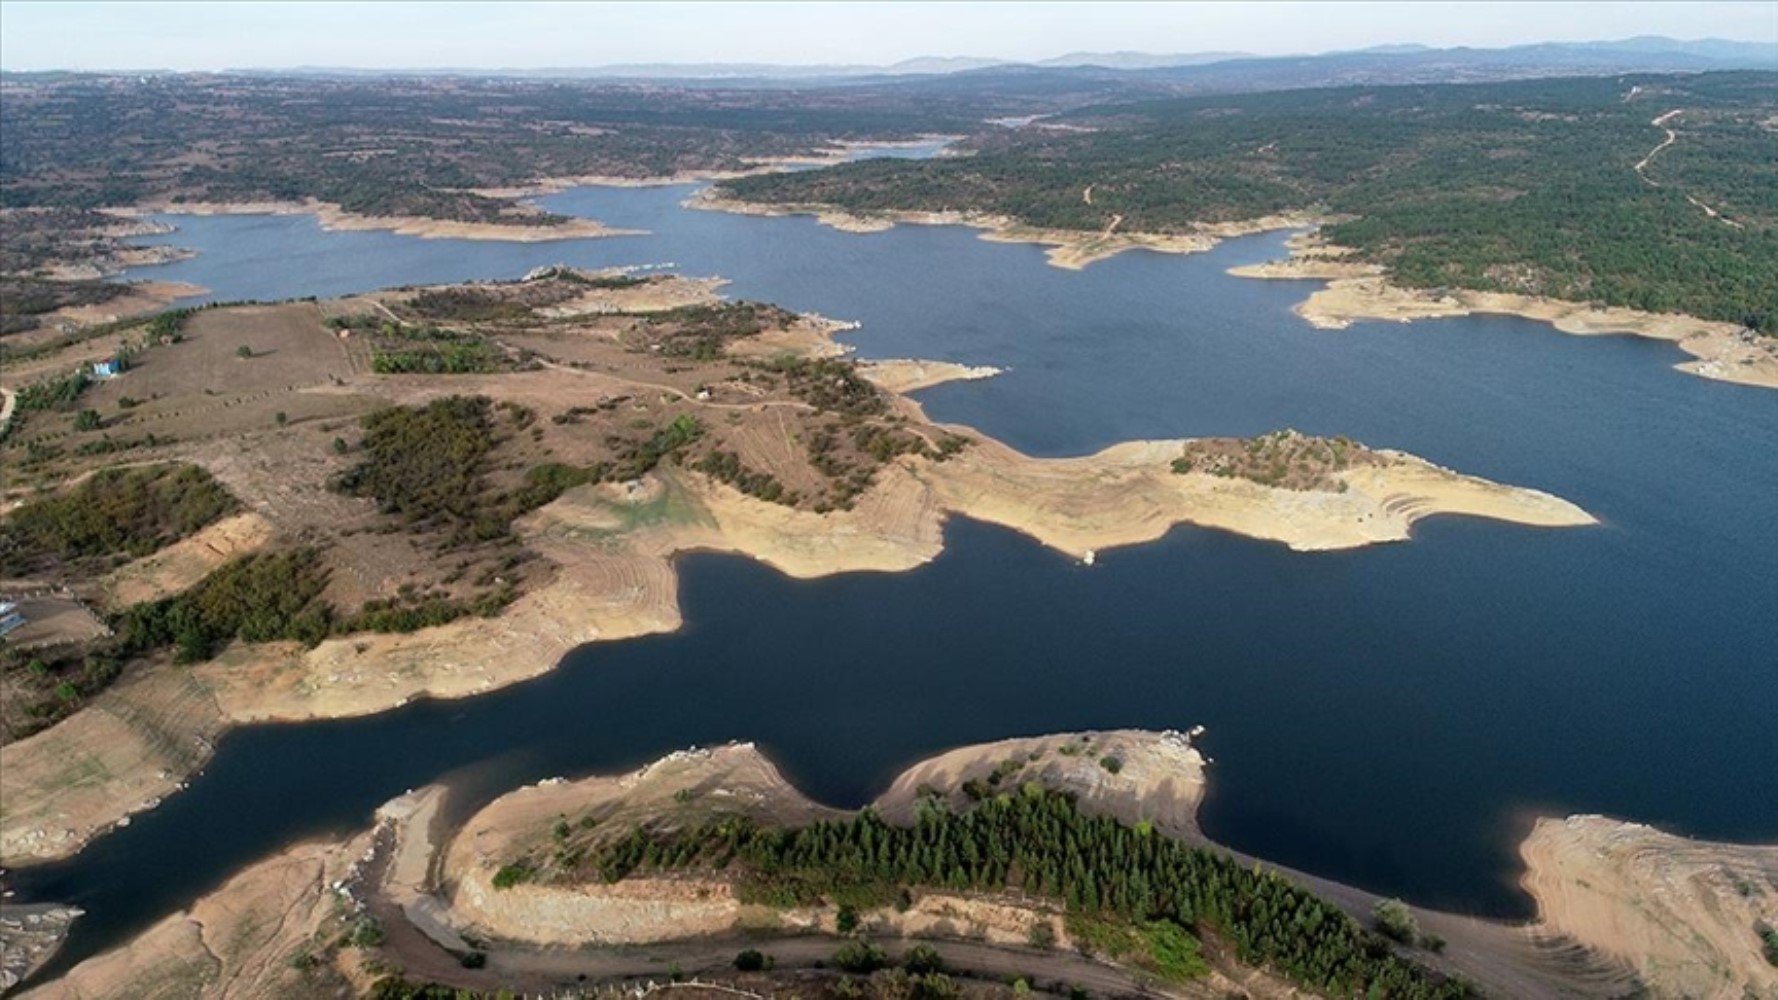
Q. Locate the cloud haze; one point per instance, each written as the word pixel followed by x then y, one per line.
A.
pixel 206 36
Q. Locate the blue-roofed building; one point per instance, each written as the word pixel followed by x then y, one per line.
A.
pixel 10 617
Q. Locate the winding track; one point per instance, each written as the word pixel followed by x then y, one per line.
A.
pixel 1641 167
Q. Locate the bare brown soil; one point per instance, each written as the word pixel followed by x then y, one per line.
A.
pixel 185 562
pixel 1682 914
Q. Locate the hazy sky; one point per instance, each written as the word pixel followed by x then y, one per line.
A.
pixel 529 35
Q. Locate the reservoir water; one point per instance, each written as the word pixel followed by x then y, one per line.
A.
pixel 1389 717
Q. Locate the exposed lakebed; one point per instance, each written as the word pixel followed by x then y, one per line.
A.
pixel 1387 717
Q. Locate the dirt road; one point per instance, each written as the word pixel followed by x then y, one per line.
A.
pixel 1672 137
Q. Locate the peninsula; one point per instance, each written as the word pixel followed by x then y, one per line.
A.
pixel 709 864
pixel 438 492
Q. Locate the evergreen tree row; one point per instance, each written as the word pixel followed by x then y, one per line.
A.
pixel 1040 842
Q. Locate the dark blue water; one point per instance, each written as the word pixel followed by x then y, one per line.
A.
pixel 1388 717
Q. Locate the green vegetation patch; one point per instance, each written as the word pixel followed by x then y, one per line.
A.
pixel 114 513
pixel 702 332
pixel 1286 459
pixel 44 686
pixel 467 305
pixel 263 597
pixel 425 464
pixel 1527 187
pixel 1128 893
pixel 466 357
pixel 410 613
pixel 428 466
pixel 23 299
pixel 54 394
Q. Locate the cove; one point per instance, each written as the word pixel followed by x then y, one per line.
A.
pixel 1386 717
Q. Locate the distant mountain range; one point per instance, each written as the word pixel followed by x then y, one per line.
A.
pixel 1384 63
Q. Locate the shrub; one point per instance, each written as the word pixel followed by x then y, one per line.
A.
pixel 847 919
pixel 261 597
pixel 117 512
pixel 752 960
pixel 1173 952
pixel 365 931
pixel 860 957
pixel 1393 920
pixel 54 394
pixel 1110 763
pixel 513 874
pixel 243 351
pixel 922 959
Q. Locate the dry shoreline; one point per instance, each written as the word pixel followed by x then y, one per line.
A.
pixel 334 218
pixel 614 551
pixel 836 152
pixel 1722 351
pixel 1357 292
pixel 906 375
pixel 1622 908
pixel 1068 249
pixel 616 578
pixel 1681 913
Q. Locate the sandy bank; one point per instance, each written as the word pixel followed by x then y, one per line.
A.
pixel 682 788
pixel 1160 776
pixel 239 941
pixel 1680 912
pixel 334 218
pixel 1161 779
pixel 1128 494
pixel 900 375
pixel 1069 249
pixel 1357 292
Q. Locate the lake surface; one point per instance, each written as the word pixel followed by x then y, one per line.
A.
pixel 1389 717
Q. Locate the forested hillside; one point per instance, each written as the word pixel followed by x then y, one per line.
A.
pixel 1123 887
pixel 1529 187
